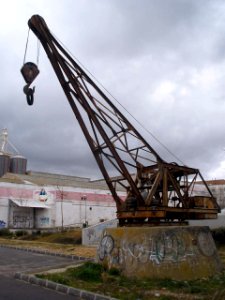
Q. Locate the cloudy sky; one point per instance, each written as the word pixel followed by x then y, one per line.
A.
pixel 164 60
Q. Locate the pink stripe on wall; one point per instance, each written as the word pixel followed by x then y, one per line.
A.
pixel 23 193
pixel 15 193
pixel 82 196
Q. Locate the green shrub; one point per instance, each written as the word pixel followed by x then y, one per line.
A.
pixel 89 271
pixel 5 232
pixel 56 278
pixel 20 233
pixel 114 272
pixel 43 234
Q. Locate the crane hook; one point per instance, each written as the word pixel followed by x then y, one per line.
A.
pixel 29 92
pixel 29 72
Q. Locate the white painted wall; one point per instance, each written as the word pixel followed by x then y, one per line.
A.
pixel 68 206
pixel 4 212
pixel 73 213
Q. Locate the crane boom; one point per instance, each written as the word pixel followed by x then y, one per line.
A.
pixel 124 157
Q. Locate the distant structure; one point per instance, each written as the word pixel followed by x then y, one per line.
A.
pixel 10 158
pixel 217 188
pixel 38 200
pixel 44 201
pixel 3 140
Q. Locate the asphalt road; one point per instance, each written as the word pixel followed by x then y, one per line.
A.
pixel 12 261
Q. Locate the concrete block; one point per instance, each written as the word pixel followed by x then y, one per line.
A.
pixel 176 252
pixel 62 288
pixel 51 285
pixel 87 295
pixel 92 235
pixel 102 297
pixel 17 275
pixel 25 277
pixel 43 282
pixel 74 292
pixel 34 280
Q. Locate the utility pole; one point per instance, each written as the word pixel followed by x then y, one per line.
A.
pixel 61 198
pixel 84 198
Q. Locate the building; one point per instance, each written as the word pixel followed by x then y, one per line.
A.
pixel 217 188
pixel 38 200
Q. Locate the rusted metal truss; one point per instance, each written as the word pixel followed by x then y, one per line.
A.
pixel 156 191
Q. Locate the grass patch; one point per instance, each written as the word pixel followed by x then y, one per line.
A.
pixel 93 277
pixel 91 272
pixel 6 233
pixel 72 237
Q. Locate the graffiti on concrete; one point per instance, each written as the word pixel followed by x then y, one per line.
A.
pixel 163 247
pixel 95 232
pixel 2 224
pixel 92 235
pixel 106 246
pixel 206 243
pixel 22 221
pixel 44 220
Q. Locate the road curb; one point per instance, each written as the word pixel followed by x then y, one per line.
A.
pixel 32 279
pixel 61 288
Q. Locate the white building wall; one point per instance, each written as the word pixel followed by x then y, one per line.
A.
pixel 78 213
pixel 76 206
pixel 217 189
pixel 67 206
pixel 218 192
pixel 4 213
pixel 45 217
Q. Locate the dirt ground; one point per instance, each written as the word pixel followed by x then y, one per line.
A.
pixel 59 243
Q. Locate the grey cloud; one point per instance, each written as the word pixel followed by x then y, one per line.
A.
pixel 135 48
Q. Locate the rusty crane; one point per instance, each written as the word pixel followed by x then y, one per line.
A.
pixel 158 192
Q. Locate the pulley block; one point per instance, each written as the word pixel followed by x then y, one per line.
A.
pixel 30 72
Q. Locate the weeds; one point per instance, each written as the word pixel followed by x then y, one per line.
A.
pixel 88 272
pixel 72 237
pixel 93 277
pixel 5 233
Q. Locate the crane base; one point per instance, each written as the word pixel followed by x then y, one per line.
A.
pixel 179 253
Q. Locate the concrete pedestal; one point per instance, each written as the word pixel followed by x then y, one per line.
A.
pixel 179 253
